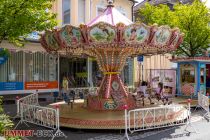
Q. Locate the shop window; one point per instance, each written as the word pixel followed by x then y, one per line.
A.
pixel 187 73
pixel 12 69
pixel 41 67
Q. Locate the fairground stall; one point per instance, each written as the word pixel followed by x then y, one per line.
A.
pixel 193 75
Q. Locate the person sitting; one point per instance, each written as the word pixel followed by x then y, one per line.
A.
pixel 68 100
pixel 72 95
pixel 160 95
pixel 143 90
pixel 55 96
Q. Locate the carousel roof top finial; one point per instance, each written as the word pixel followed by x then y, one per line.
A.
pixel 110 2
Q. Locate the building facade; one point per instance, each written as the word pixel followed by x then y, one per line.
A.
pixel 31 68
pixel 155 61
pixel 85 71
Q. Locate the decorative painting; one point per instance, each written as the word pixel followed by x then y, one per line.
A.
pixel 187 89
pixel 102 33
pixel 70 36
pixel 162 35
pixel 109 105
pixel 51 41
pixel 176 36
pixel 136 33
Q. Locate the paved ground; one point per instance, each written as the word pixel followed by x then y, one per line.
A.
pixel 174 133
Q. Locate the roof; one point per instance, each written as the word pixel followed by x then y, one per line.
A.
pixel 29 47
pixel 202 58
pixel 111 16
pixel 157 2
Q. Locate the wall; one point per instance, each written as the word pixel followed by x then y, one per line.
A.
pixel 90 9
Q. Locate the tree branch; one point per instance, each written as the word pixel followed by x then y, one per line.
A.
pixel 184 51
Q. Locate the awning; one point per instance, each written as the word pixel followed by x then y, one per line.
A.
pixel 29 47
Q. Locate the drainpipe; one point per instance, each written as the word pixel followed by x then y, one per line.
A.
pixel 90 10
pixel 132 9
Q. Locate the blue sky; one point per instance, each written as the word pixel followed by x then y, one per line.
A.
pixel 207 2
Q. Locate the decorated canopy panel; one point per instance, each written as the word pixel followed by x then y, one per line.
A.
pixel 141 38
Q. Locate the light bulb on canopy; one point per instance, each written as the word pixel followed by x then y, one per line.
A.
pixel 111 38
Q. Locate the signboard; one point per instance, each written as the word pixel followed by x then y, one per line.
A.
pixel 140 58
pixel 11 86
pixel 41 85
pixel 34 36
pixel 3 58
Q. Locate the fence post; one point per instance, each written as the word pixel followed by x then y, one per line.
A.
pixel 18 108
pixel 58 131
pixel 18 105
pixel 57 116
pixel 189 123
pixel 125 107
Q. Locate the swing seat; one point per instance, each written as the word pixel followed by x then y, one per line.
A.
pixel 139 98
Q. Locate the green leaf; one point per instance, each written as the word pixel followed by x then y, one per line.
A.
pixel 21 17
pixel 193 20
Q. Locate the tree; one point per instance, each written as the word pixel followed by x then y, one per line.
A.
pixel 18 18
pixel 21 17
pixel 192 19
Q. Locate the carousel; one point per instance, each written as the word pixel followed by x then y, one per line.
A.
pixel 110 38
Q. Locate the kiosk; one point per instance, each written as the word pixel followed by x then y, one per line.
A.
pixel 193 75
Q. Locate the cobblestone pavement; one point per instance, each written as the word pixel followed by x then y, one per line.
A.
pixel 172 133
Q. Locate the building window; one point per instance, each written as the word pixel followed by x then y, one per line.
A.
pixel 40 67
pixel 81 11
pixel 66 11
pixel 187 73
pixel 37 67
pixel 12 69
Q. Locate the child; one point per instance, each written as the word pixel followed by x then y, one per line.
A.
pixel 159 94
pixel 143 89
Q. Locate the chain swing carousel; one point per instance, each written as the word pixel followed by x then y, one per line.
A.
pixel 110 38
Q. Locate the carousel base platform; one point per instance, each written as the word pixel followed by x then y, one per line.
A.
pixel 81 118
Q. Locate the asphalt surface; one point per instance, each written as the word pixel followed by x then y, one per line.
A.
pixel 201 125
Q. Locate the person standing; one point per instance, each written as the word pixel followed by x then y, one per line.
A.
pixel 65 85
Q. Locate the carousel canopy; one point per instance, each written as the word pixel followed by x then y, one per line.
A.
pixel 111 16
pixel 111 30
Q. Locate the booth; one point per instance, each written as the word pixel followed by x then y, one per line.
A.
pixel 193 75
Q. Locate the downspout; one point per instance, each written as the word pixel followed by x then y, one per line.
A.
pixel 90 10
pixel 132 9
pixel 132 12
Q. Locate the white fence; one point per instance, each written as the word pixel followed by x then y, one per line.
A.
pixel 30 112
pixel 31 99
pixel 156 117
pixel 39 115
pixel 203 101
